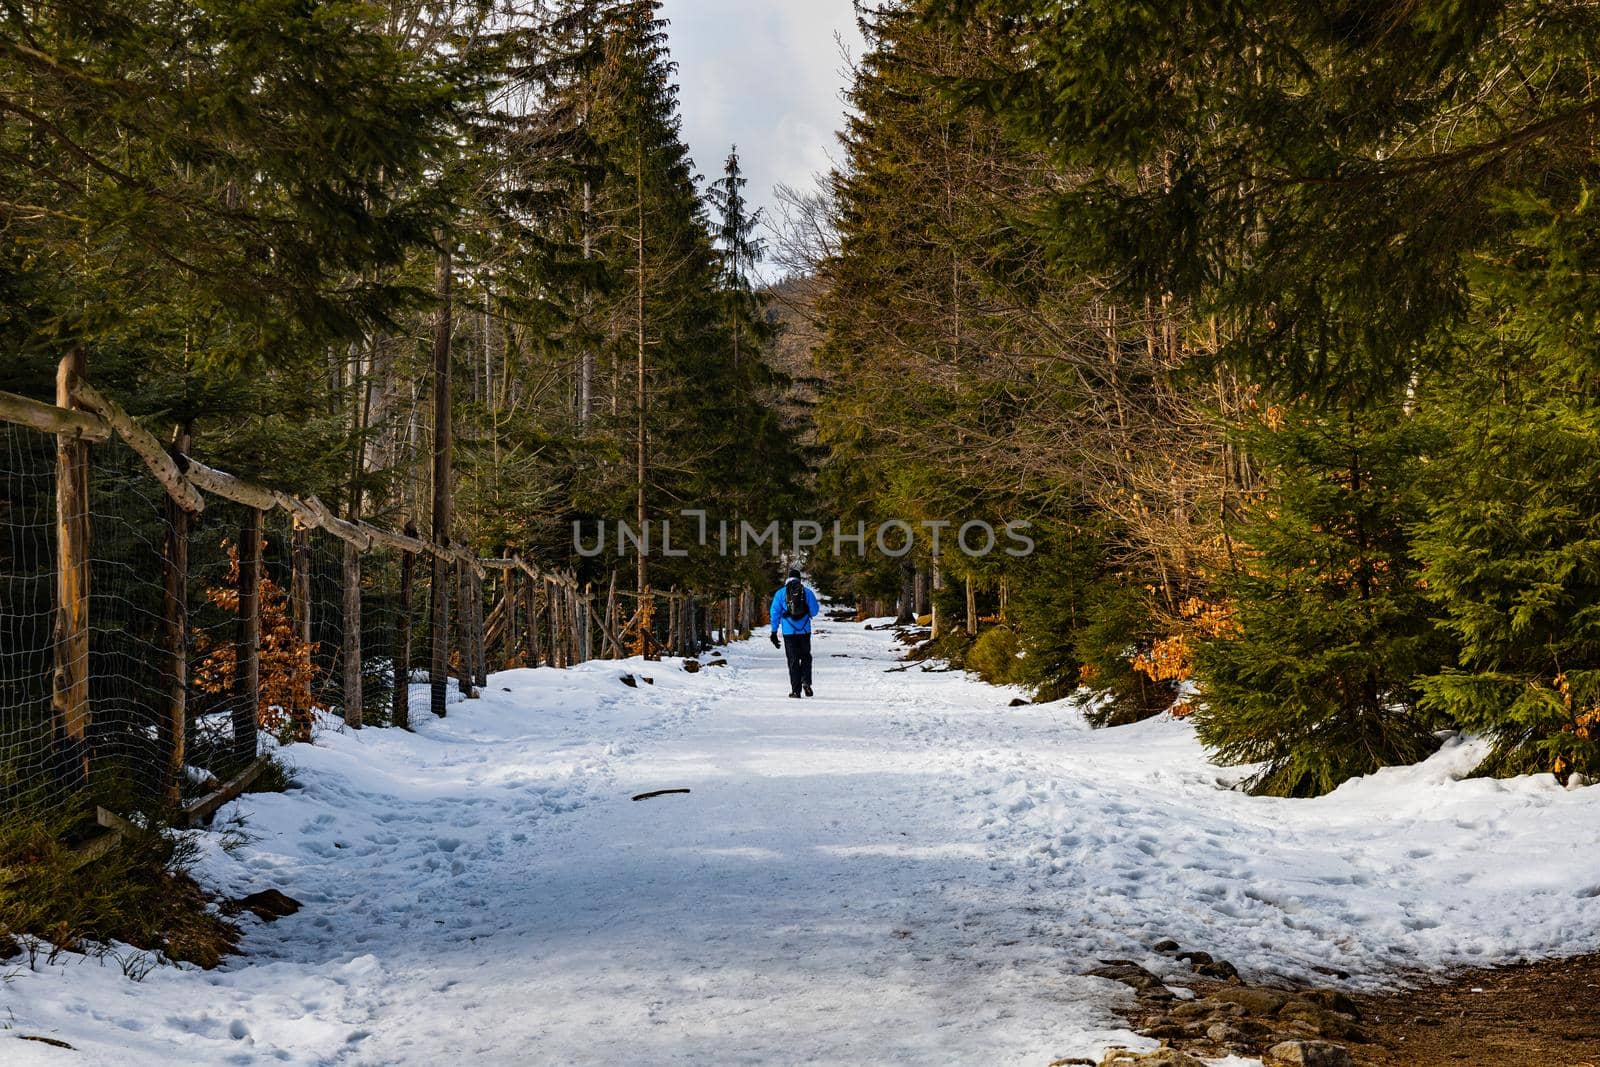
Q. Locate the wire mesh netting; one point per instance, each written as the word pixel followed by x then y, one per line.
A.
pixel 27 592
pixel 128 662
pixel 221 714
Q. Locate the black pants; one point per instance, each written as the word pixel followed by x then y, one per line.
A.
pixel 797 649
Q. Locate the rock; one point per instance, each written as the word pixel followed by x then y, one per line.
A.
pixel 646 679
pixel 1195 957
pixel 1161 1057
pixel 10 947
pixel 1331 972
pixel 1131 974
pixel 1323 1022
pixel 1018 702
pixel 1194 1009
pixel 628 680
pixel 1263 1003
pixel 268 904
pixel 717 663
pixel 1220 969
pixel 691 665
pixel 1308 1054
pixel 1168 946
pixel 1224 1033
pixel 1331 999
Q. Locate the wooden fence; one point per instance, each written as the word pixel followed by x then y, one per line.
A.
pixel 508 612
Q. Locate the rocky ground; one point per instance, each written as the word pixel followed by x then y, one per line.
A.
pixel 1544 1014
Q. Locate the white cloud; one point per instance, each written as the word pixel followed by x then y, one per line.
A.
pixel 766 75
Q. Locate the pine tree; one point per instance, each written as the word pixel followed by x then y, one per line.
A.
pixel 269 162
pixel 1315 677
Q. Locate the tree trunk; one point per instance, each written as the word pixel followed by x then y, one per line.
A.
pixel 639 396
pixel 351 587
pixel 972 609
pixel 906 608
pixel 438 592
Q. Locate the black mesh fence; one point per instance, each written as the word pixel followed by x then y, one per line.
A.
pixel 27 597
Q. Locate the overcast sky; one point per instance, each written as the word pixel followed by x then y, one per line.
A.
pixel 766 75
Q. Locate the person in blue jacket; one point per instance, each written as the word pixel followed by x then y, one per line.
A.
pixel 793 608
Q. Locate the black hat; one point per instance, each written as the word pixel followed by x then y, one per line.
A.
pixel 794 572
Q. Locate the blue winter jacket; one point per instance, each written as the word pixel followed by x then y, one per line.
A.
pixel 780 618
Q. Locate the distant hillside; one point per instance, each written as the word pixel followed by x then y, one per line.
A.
pixel 792 303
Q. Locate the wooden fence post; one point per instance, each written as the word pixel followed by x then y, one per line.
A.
pixel 513 629
pixel 300 582
pixel 300 621
pixel 672 621
pixel 463 632
pixel 532 593
pixel 574 620
pixel 172 727
pixel 559 647
pixel 438 632
pixel 400 698
pixel 972 609
pixel 480 650
pixel 351 683
pixel 585 609
pixel 69 698
pixel 552 644
pixel 611 617
pixel 247 659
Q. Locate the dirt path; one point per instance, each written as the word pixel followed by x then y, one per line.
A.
pixel 1532 1015
pixel 1544 1014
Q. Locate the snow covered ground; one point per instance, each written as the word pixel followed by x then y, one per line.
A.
pixel 902 870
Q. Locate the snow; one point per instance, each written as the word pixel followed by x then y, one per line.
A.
pixel 902 870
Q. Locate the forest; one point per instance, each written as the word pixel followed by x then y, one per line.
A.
pixel 1277 321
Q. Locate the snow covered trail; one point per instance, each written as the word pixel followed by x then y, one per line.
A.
pixel 902 870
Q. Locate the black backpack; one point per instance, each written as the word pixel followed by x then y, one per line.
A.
pixel 795 606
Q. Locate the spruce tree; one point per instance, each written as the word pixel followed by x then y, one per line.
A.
pixel 1511 546
pixel 740 248
pixel 1315 677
